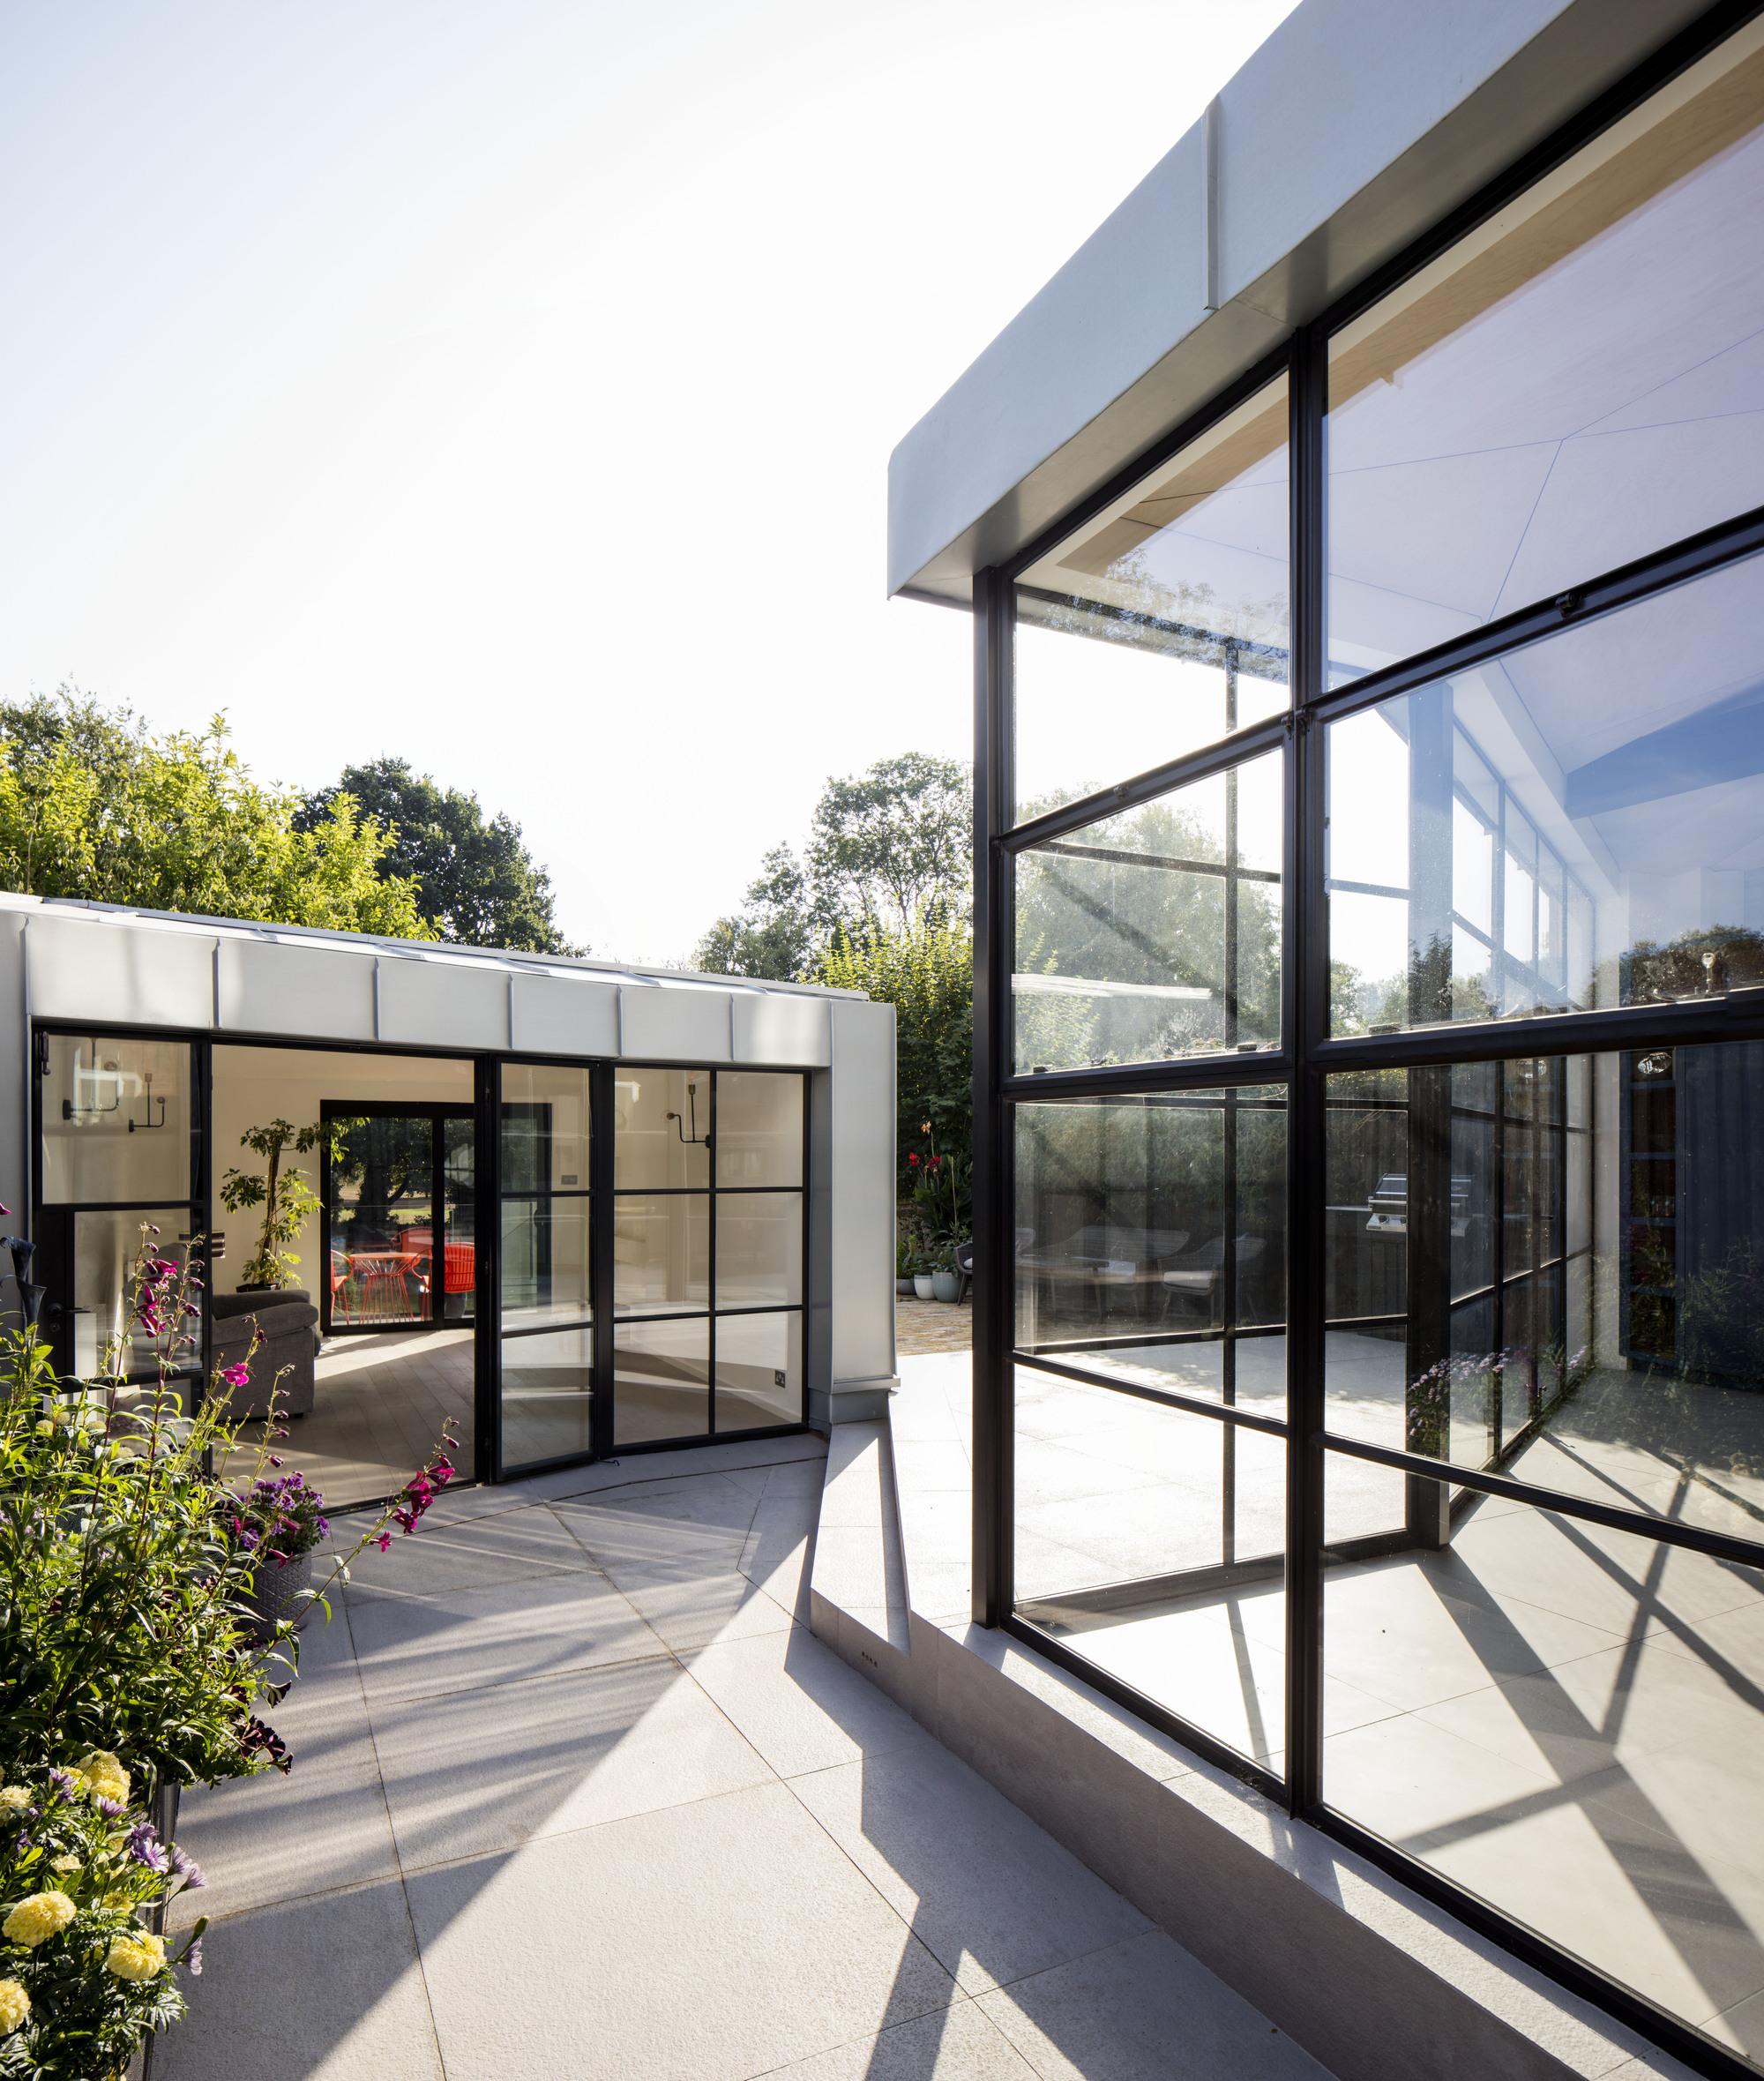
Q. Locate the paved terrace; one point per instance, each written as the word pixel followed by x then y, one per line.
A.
pixel 576 1793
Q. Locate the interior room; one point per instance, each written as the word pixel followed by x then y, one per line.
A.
pixel 389 1316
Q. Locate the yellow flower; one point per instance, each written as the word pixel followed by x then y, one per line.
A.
pixel 36 1920
pixel 65 1864
pixel 136 1958
pixel 14 1798
pixel 15 2006
pixel 106 1777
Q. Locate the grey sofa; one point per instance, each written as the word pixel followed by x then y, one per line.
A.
pixel 289 1323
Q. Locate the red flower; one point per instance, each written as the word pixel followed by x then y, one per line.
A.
pixel 935 1162
pixel 913 1158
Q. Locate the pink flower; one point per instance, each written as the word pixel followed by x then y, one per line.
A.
pixel 383 1541
pixel 239 1376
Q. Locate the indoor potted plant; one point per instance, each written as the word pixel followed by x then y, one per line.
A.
pixel 289 1202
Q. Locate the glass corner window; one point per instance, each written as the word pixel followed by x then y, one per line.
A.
pixel 1154 933
pixel 1567 828
pixel 1162 624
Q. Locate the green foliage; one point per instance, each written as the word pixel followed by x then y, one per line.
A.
pixel 773 935
pixel 925 970
pixel 942 1199
pixel 289 1202
pixel 1149 926
pixel 474 879
pixel 98 1983
pixel 890 845
pixel 120 1596
pixel 93 805
pixel 895 843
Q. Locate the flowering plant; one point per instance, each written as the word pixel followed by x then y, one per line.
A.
pixel 82 1978
pixel 280 1517
pixel 128 1623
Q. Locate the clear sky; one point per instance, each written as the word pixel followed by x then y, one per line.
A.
pixel 510 386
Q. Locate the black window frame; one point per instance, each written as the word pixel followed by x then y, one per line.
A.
pixel 1306 1057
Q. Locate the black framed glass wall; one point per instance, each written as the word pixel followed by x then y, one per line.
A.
pixel 118 1123
pixel 1367 954
pixel 709 1220
pixel 544 1266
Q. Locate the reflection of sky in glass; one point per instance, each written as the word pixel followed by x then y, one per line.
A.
pixel 1631 749
pixel 1607 407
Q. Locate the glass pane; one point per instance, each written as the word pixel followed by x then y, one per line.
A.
pixel 1576 383
pixel 661 1380
pixel 544 1129
pixel 1151 1542
pixel 661 1119
pixel 760 1250
pixel 760 1128
pixel 1154 933
pixel 1568 1722
pixel 546 1395
pixel 105 1247
pixel 115 1119
pixel 661 1248
pixel 1150 1233
pixel 544 1261
pixel 382 1189
pixel 1161 625
pixel 1567 828
pixel 458 1171
pixel 1549 1268
pixel 758 1371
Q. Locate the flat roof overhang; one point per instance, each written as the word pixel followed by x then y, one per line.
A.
pixel 1354 129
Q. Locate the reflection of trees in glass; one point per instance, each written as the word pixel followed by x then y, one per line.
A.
pixel 1185 619
pixel 389 1159
pixel 1138 916
pixel 1704 961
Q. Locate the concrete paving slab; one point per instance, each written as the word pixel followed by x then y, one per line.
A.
pixel 465 1775
pixel 989 1895
pixel 1142 2011
pixel 667 1944
pixel 959 2043
pixel 327 1988
pixel 412 1647
pixel 799 1705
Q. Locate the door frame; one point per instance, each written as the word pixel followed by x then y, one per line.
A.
pixel 436 1111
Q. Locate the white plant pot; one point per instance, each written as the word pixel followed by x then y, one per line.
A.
pixel 921 1286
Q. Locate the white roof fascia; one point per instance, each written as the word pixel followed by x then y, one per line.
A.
pixel 440 952
pixel 1352 130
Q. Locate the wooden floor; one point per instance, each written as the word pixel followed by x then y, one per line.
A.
pixel 382 1399
pixel 380 1404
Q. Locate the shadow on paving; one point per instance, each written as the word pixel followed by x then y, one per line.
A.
pixel 633 1817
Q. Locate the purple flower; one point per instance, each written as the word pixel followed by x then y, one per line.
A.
pixel 189 1871
pixel 111 1808
pixel 194 1959
pixel 144 1845
pixel 66 1785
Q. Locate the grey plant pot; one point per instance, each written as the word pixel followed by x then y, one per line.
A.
pixel 903 1285
pixel 946 1285
pixel 921 1286
pixel 273 1591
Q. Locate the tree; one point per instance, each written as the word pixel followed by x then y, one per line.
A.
pixel 897 839
pixel 289 1202
pixel 93 805
pixel 773 936
pixel 474 879
pixel 925 970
